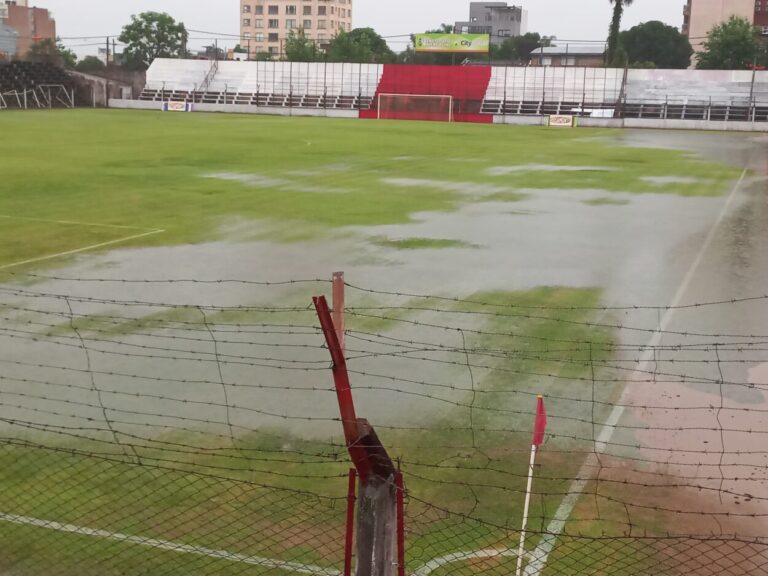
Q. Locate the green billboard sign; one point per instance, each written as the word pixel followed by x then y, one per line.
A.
pixel 453 43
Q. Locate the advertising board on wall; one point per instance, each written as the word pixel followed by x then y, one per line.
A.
pixel 466 43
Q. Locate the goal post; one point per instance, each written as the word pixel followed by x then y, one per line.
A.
pixel 435 107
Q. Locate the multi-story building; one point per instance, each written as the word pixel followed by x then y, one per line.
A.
pixel 266 24
pixel 7 42
pixel 498 19
pixel 700 16
pixel 31 24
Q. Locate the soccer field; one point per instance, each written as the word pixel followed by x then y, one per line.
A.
pixel 166 402
pixel 73 179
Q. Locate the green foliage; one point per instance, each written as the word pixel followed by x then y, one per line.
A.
pixel 240 50
pixel 90 64
pixel 360 45
pixel 299 48
pixel 52 52
pixel 733 45
pixel 68 57
pixel 409 56
pixel 519 48
pixel 657 43
pixel 152 35
pixel 264 56
pixel 614 57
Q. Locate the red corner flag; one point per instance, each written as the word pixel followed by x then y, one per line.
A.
pixel 541 423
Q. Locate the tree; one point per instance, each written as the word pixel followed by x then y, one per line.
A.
pixel 360 45
pixel 733 45
pixel 614 55
pixel 213 52
pixel 90 64
pixel 152 35
pixel 299 48
pixel 658 43
pixel 68 56
pixel 519 48
pixel 263 56
pixel 53 52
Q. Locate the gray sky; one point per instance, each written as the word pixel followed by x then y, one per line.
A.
pixel 566 19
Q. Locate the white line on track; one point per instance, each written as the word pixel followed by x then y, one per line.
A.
pixel 538 558
pixel 78 250
pixel 171 546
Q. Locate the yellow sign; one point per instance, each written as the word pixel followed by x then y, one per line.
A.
pixel 467 43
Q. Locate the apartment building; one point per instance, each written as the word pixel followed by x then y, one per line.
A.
pixel 498 19
pixel 265 24
pixel 700 16
pixel 31 24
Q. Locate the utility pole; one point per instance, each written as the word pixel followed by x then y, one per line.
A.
pixel 106 62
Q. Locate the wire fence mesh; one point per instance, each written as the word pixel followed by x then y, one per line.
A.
pixel 186 426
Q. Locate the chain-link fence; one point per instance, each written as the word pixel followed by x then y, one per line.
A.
pixel 177 427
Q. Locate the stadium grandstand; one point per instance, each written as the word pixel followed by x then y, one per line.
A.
pixel 34 85
pixel 473 93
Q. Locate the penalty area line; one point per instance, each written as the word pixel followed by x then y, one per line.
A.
pixel 79 250
pixel 70 222
pixel 166 545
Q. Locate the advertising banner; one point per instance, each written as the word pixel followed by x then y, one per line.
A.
pixel 562 121
pixel 172 106
pixel 467 43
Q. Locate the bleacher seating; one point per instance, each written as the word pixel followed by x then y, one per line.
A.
pixel 33 79
pixel 480 92
pixel 280 84
pixel 724 95
pixel 549 90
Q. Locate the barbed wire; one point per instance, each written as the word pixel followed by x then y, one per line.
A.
pixel 215 404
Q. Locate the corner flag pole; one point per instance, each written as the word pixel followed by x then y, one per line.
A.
pixel 538 439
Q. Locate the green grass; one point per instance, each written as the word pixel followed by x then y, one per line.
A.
pixel 606 202
pixel 150 171
pixel 420 243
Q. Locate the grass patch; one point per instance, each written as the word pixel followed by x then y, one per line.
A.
pixel 421 243
pixel 606 202
pixel 302 192
pixel 506 197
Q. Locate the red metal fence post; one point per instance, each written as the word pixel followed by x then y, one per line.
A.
pixel 400 512
pixel 349 422
pixel 349 539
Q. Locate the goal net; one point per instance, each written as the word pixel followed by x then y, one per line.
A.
pixel 415 107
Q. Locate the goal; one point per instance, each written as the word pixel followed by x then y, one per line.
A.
pixel 415 107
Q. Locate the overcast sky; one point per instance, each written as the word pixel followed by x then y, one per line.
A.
pixel 566 19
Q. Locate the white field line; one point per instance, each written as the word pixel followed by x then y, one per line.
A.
pixel 78 250
pixel 433 565
pixel 171 546
pixel 72 222
pixel 538 558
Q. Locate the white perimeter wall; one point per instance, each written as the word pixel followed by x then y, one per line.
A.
pixel 552 84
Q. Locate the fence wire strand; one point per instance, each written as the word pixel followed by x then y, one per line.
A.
pixel 146 435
